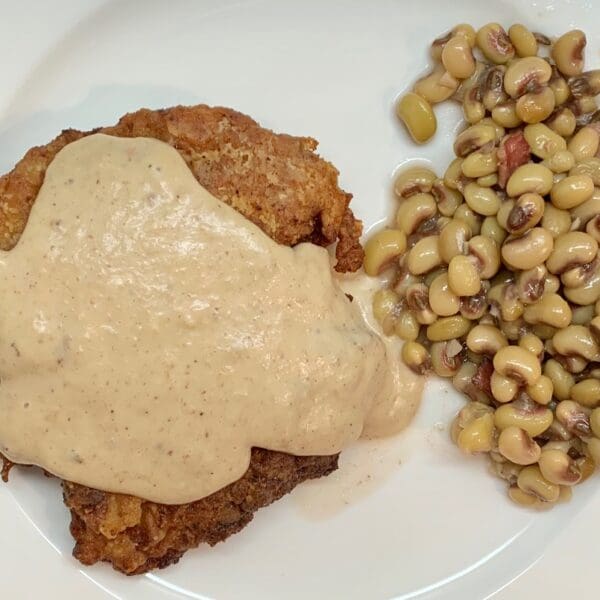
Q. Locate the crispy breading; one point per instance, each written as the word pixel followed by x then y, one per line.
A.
pixel 279 183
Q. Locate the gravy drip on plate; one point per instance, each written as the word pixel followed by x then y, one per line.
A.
pixel 150 335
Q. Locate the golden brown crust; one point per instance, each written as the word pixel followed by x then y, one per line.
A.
pixel 275 180
pixel 278 182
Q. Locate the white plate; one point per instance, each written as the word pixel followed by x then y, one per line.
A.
pixel 404 518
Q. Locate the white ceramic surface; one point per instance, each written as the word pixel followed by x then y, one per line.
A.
pixel 404 518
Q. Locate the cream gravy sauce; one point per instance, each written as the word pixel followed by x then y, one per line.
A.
pixel 150 335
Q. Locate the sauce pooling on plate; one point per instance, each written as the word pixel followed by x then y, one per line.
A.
pixel 150 335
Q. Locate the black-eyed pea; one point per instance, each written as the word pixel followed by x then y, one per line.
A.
pixel 447 199
pixel 541 391
pixel 382 249
pixel 406 326
pixel 550 309
pixel 463 276
pixel 578 341
pixel 560 89
pixel 562 380
pixel 487 180
pixel 417 300
pixel 523 40
pixel 473 138
pixel 563 122
pixel 416 357
pixel 453 239
pixel 475 307
pixel 531 481
pixel 500 131
pixel 544 332
pixel 573 364
pixel 529 178
pixel 415 210
pixel 593 228
pixel 385 305
pixel 491 228
pixel 572 191
pixel 526 212
pixel 529 250
pixel 532 343
pixel 567 52
pixel 560 162
pixel 551 283
pixel 479 164
pixel 594 326
pixel 464 213
pixel 457 57
pixel 495 44
pixel 482 200
pixel 414 180
pixel 448 328
pixel 582 315
pixel 556 221
pixel 436 87
pixel 587 393
pixel 463 379
pixel 535 107
pixel 477 436
pixel 559 468
pixel 590 167
pixel 506 299
pixel 424 255
pixel 453 174
pixel 486 339
pixel 516 445
pixel 518 364
pixel 504 389
pixel 587 293
pixel 505 114
pixel 473 107
pixel 418 117
pixel 525 74
pixel 531 284
pixel 587 466
pixel 544 142
pixel 443 301
pixel 487 255
pixel 565 495
pixel 584 109
pixel 584 144
pixel 571 250
pixel 586 84
pixel 446 357
pixel 597 308
pixel 574 417
pixel 593 449
pixel 521 498
pixel 576 277
pixel 595 425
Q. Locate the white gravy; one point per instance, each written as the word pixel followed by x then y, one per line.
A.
pixel 150 335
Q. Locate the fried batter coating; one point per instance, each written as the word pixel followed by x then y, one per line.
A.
pixel 279 183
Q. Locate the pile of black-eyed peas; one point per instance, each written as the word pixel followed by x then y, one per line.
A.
pixel 493 268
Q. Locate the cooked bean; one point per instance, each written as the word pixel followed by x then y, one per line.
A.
pixel 453 239
pixel 560 162
pixel 571 250
pixel 473 108
pixel 486 339
pixel 526 212
pixel 556 221
pixel 436 87
pixel 487 255
pixel 595 328
pixel 518 364
pixel 559 468
pixel 473 138
pixel 441 298
pixel 513 330
pixel 567 52
pixel 574 417
pixel 532 343
pixel 529 178
pixel 479 164
pixel 446 358
pixel 560 89
pixel 552 283
pixel 577 277
pixel 593 447
pixel 584 144
pixel 562 380
pixel 415 210
pixel 534 419
pixel 586 84
pixel 488 180
pixel 453 174
pixel 531 284
pixel 457 57
pixel 582 315
pixel 418 116
pixel 563 122
pixel 448 328
pixel 447 199
pixel 414 181
pixel 587 393
pixel 464 30
pixel 477 436
pixel 576 340
pixel 523 40
pixel 551 310
pixel 406 326
pixel 543 141
pixel 534 107
pixel 475 307
pixel 584 108
pixel 416 357
pixel 587 293
pixel 525 75
pixel 504 389
pixel 529 250
pixel 518 496
pixel 500 131
pixel 591 167
pixel 505 297
pixel 595 424
pixel 417 300
pixel 384 247
pixel 516 445
pixel 385 303
pixel 593 228
pixel 463 276
pixel 541 391
pixel 495 44
pixel 505 114
pixel 491 229
pixel 492 87
pixel 464 213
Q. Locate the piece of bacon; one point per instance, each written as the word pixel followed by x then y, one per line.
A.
pixel 512 153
